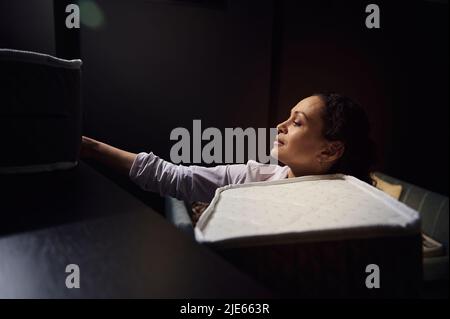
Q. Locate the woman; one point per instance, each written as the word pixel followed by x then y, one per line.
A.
pixel 324 134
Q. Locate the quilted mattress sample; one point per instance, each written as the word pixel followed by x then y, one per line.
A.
pixel 315 236
pixel 310 208
pixel 40 113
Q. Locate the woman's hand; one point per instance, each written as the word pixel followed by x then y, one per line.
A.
pixel 108 155
pixel 88 147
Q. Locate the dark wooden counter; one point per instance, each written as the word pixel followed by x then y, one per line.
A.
pixel 123 248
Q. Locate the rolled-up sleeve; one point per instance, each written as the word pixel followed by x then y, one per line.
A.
pixel 189 183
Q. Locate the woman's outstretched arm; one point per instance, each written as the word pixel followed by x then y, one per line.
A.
pixel 151 173
pixel 115 158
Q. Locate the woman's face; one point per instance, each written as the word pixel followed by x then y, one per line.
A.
pixel 300 143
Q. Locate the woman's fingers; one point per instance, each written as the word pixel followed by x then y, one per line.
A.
pixel 87 147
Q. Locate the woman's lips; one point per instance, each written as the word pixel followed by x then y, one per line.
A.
pixel 278 143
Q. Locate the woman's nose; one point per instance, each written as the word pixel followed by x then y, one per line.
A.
pixel 281 128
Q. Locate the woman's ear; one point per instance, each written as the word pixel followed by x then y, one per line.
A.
pixel 332 151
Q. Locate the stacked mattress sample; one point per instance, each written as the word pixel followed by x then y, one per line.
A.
pixel 316 236
pixel 40 114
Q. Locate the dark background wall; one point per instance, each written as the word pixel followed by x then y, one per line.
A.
pixel 399 73
pixel 158 65
pixel 155 66
pixel 151 66
pixel 27 25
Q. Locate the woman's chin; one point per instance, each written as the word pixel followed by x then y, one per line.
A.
pixel 274 152
pixel 279 153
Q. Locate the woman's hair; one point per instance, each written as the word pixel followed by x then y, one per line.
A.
pixel 346 121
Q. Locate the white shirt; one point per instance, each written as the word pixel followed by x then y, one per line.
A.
pixel 197 183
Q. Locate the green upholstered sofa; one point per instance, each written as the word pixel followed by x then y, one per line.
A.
pixel 434 212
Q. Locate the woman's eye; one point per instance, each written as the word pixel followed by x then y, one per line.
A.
pixel 297 123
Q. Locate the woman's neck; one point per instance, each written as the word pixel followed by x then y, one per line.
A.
pixel 292 173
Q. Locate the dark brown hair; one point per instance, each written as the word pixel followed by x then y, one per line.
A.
pixel 346 121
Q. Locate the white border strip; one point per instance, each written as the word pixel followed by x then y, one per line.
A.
pixel 38 58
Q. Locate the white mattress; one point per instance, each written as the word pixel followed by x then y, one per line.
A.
pixel 310 208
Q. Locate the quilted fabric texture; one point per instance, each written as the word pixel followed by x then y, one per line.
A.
pixel 315 204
